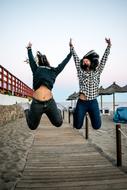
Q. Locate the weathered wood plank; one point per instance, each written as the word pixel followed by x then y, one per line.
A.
pixel 122 183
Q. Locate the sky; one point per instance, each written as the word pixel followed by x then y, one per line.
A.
pixel 49 25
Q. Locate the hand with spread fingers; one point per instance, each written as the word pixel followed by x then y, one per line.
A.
pixel 108 41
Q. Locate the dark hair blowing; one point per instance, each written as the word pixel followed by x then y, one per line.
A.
pixel 42 60
pixel 94 59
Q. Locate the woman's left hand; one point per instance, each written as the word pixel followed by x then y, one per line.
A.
pixel 70 43
pixel 108 41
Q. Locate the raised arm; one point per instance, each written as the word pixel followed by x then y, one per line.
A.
pixel 32 62
pixel 61 66
pixel 105 55
pixel 75 56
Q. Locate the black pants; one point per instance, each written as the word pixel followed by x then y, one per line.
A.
pixel 37 108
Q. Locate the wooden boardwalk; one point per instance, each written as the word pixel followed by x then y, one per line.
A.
pixel 61 159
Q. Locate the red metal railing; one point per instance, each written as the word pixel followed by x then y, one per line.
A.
pixel 9 84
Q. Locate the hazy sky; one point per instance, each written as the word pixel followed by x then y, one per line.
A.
pixel 49 24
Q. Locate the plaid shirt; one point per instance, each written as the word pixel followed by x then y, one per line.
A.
pixel 89 80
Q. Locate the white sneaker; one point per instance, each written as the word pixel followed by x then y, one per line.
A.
pixel 25 106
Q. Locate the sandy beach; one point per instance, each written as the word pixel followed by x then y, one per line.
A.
pixel 16 140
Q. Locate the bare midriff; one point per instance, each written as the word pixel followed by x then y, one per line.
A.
pixel 82 96
pixel 42 94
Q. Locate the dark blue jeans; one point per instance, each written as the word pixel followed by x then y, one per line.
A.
pixel 84 106
pixel 37 108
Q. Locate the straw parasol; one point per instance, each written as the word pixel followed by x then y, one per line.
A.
pixel 101 93
pixel 112 89
pixel 72 97
pixel 124 89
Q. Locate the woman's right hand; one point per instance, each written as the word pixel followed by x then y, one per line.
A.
pixel 70 43
pixel 108 41
pixel 29 45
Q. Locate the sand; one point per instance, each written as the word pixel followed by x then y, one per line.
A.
pixel 15 142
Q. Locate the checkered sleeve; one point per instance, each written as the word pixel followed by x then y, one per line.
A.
pixel 104 59
pixel 76 60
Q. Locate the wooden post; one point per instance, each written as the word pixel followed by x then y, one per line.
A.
pixel 113 102
pixel 118 145
pixel 69 113
pixel 63 113
pixel 86 126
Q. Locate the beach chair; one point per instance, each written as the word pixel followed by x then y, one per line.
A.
pixel 120 115
pixel 120 118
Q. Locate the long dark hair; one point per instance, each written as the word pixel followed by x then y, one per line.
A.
pixel 93 57
pixel 42 59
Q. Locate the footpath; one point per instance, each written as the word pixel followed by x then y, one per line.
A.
pixel 61 159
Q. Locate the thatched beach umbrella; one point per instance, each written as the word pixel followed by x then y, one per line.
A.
pixel 72 97
pixel 124 89
pixel 112 89
pixel 101 93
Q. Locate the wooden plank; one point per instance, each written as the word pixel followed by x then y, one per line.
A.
pixel 92 184
pixel 60 159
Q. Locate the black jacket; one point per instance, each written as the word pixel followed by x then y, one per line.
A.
pixel 43 75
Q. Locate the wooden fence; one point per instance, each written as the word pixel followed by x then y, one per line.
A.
pixel 11 85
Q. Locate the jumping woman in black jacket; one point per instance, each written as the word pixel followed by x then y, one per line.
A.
pixel 43 80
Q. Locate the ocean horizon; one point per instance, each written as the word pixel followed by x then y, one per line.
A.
pixel 9 100
pixel 105 105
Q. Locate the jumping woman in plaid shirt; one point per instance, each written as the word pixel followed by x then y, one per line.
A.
pixel 89 70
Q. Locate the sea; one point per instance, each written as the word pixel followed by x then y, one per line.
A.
pixel 105 105
pixel 9 100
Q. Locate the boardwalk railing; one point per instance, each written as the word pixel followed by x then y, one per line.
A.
pixel 9 84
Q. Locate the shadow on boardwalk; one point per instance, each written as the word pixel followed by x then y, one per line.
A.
pixel 61 159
